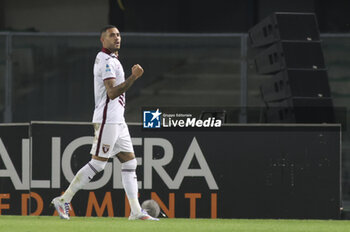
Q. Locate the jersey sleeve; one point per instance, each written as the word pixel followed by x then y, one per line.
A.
pixel 108 70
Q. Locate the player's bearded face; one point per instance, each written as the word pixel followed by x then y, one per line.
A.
pixel 112 39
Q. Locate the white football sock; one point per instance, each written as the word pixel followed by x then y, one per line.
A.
pixel 129 180
pixel 83 176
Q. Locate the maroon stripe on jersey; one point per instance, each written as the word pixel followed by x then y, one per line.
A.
pixel 121 103
pixel 102 126
pixel 121 99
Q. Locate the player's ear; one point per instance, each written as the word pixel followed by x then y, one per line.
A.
pixel 102 38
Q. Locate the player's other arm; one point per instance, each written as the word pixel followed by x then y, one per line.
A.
pixel 113 91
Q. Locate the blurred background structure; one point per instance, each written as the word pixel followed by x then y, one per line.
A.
pixel 194 54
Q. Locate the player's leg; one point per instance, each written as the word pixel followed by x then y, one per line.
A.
pixel 83 176
pixel 128 171
pixel 129 179
pixel 104 138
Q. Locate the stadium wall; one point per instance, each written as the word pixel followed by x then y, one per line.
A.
pixel 55 16
pixel 238 171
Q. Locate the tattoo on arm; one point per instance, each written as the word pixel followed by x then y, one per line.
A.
pixel 115 91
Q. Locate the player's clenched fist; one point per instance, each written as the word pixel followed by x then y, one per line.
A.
pixel 137 70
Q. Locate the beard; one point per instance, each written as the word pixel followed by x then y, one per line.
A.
pixel 113 49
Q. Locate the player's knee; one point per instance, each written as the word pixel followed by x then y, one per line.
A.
pixel 129 165
pixel 98 165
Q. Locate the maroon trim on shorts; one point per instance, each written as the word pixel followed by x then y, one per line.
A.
pixel 102 126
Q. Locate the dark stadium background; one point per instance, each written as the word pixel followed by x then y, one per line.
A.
pixel 164 16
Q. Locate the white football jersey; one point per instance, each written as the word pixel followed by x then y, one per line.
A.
pixel 107 66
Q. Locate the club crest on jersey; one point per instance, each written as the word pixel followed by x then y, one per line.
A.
pixel 108 69
pixel 105 148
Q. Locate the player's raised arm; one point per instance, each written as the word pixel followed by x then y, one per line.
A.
pixel 113 90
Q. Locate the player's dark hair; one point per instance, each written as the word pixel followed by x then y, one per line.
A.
pixel 105 28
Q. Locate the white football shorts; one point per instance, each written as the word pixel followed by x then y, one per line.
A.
pixel 110 139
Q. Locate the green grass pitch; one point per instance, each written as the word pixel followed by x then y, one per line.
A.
pixel 104 224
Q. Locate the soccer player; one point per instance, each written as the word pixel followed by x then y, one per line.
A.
pixel 112 138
